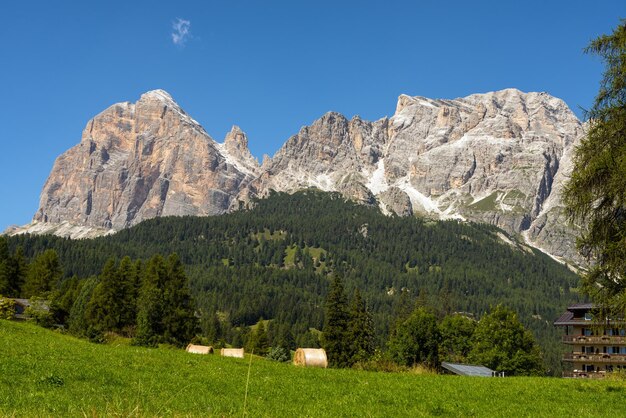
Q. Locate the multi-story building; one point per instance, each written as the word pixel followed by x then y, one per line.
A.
pixel 598 345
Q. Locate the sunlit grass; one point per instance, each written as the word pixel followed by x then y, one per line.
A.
pixel 44 373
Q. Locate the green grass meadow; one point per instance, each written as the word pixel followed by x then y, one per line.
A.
pixel 45 373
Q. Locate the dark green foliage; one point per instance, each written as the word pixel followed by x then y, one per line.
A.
pixel 77 323
pixel 258 342
pixel 44 274
pixel 179 321
pixel 334 335
pixel 236 270
pixel 501 343
pixel 596 193
pixel 360 330
pixel 211 327
pixel 17 269
pixel 13 270
pixel 151 304
pixel 112 304
pixel 285 338
pixel 416 340
pixel 278 354
pixel 165 309
pixel 4 258
pixel 62 300
pixel 456 338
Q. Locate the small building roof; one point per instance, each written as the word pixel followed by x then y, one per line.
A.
pixel 23 302
pixel 566 319
pixel 468 369
pixel 569 318
pixel 581 307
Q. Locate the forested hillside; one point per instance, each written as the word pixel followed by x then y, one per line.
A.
pixel 275 261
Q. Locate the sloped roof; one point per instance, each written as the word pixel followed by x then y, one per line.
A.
pixel 467 369
pixel 566 319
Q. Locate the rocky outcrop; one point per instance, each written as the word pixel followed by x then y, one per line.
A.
pixel 500 158
pixel 394 200
pixel 143 160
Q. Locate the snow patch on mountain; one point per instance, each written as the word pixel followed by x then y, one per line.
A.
pixel 230 159
pixel 377 182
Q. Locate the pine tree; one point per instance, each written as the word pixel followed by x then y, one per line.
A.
pixel 4 260
pixel 334 334
pixel 150 304
pixel 165 309
pixel 63 300
pixel 596 192
pixel 179 321
pixel 112 305
pixel 285 338
pixel 17 269
pixel 360 330
pixel 211 327
pixel 44 274
pixel 77 323
pixel 128 292
pixel 258 342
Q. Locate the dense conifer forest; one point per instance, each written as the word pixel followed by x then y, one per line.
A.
pixel 277 261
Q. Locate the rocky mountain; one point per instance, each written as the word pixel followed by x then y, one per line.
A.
pixel 141 160
pixel 499 158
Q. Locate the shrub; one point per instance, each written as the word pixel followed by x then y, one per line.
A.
pixel 39 311
pixel 278 354
pixel 7 308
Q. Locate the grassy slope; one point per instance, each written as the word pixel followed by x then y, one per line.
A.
pixel 43 373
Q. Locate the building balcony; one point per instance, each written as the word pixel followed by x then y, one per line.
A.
pixel 594 339
pixel 585 375
pixel 595 358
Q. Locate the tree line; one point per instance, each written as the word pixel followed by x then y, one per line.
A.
pixel 277 261
pixel 149 302
pixel 419 338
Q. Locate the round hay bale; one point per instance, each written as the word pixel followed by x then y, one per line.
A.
pixel 232 352
pixel 199 349
pixel 310 357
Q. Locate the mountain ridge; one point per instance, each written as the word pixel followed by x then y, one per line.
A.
pixel 500 158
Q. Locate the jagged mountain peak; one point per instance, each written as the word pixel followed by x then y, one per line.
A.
pixel 142 160
pixel 497 157
pixel 236 138
pixel 158 94
pixel 235 150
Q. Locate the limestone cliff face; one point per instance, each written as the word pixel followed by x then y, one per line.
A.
pixel 500 158
pixel 143 160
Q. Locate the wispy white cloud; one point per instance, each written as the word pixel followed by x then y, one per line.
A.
pixel 181 31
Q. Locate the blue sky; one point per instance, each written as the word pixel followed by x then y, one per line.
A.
pixel 270 67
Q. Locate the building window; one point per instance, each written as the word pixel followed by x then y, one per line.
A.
pixel 588 316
